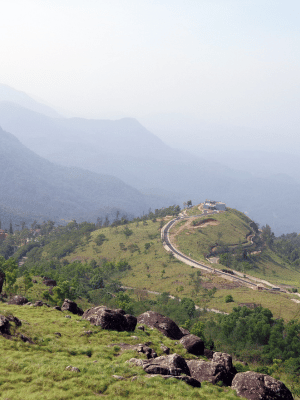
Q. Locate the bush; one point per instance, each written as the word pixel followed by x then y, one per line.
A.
pixel 229 299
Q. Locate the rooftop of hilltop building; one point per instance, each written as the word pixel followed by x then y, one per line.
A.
pixel 214 205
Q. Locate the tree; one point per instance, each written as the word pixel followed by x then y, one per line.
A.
pixel 96 282
pixel 100 239
pixel 127 232
pixel 267 235
pixel 27 281
pixel 188 305
pixel 11 228
pixel 189 203
pixel 63 291
pixel 106 222
pixel 99 223
pixel 147 246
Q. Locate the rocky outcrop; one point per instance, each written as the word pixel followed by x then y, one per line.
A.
pixel 193 344
pixel 207 371
pixel 2 279
pixel 131 322
pixel 164 324
pixel 18 300
pixel 256 386
pixel 165 365
pixel 225 360
pixel 14 319
pixel 217 370
pixel 71 306
pixel 4 325
pixel 150 353
pixel 110 319
pixel 208 353
pixel 184 331
pixel 165 349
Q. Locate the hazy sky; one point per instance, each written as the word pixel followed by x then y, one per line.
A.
pixel 231 61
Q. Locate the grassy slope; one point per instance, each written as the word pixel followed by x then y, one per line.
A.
pixel 233 227
pixel 37 371
pixel 198 240
pixel 147 269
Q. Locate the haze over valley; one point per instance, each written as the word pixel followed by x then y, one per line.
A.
pixel 174 102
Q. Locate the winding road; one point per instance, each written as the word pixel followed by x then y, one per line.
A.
pixel 189 261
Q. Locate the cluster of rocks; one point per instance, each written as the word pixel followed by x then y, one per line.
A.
pixel 251 385
pixel 219 368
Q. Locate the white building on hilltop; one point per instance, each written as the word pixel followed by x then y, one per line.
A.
pixel 214 205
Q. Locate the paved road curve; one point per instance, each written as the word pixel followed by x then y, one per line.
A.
pixel 189 261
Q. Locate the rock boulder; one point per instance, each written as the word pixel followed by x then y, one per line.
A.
pixel 193 344
pixel 208 371
pixel 164 324
pixel 165 365
pixel 110 319
pixel 18 300
pixel 14 319
pixel 71 306
pixel 225 359
pixel 256 386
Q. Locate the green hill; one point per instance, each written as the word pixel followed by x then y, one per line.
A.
pixel 153 269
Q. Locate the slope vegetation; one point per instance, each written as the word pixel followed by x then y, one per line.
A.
pixel 153 269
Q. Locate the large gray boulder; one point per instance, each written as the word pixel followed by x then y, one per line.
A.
pixel 225 359
pixel 164 324
pixel 110 319
pixel 193 344
pixel 18 300
pixel 173 364
pixel 71 306
pixel 208 371
pixel 256 386
pixel 167 365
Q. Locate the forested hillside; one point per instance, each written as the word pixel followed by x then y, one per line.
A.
pixel 34 188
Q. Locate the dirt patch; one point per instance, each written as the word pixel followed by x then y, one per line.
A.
pixel 189 226
pixel 206 222
pixel 214 260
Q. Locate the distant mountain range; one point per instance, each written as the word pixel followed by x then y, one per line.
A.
pixel 9 94
pixel 160 174
pixel 35 188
